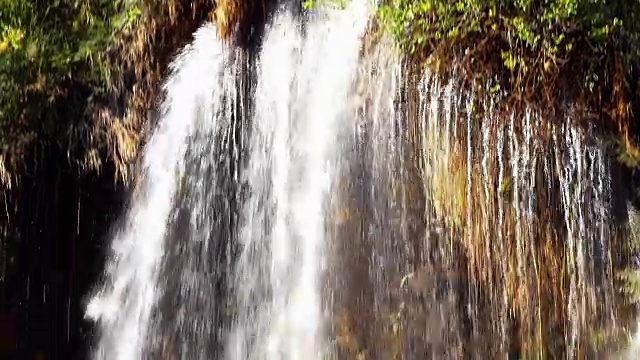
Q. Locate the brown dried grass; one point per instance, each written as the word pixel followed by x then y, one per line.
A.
pixel 139 57
pixel 611 104
pixel 535 280
pixel 228 14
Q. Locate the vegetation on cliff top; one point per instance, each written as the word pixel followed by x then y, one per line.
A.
pixel 82 75
pixel 54 68
pixel 534 51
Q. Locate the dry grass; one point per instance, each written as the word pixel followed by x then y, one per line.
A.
pixel 139 57
pixel 610 103
pixel 228 14
pixel 519 258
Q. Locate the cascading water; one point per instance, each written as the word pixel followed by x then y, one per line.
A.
pixel 304 77
pixel 195 102
pixel 501 188
pixel 324 199
pixel 303 82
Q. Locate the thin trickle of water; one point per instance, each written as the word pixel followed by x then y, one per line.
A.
pixel 304 78
pixel 123 305
pixel 496 183
pixel 501 251
pixel 488 217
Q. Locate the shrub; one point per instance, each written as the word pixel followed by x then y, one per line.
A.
pixel 536 51
pixel 53 66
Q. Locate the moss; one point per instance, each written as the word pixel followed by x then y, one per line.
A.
pixel 626 152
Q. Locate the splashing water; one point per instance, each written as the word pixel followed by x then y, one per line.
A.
pixel 303 83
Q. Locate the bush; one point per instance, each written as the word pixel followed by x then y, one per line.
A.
pixel 544 51
pixel 53 66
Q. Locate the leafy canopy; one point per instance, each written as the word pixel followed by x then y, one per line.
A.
pixel 542 25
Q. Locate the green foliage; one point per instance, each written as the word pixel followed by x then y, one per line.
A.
pixel 537 25
pixel 533 38
pixel 611 339
pixel 53 63
pixel 628 279
pixel 339 4
pixel 631 231
pixel 417 25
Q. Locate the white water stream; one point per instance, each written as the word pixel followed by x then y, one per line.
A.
pixel 123 305
pixel 304 77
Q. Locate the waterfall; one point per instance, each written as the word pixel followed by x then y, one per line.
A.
pixel 323 198
pixel 160 293
pixel 195 102
pixel 501 188
pixel 304 78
